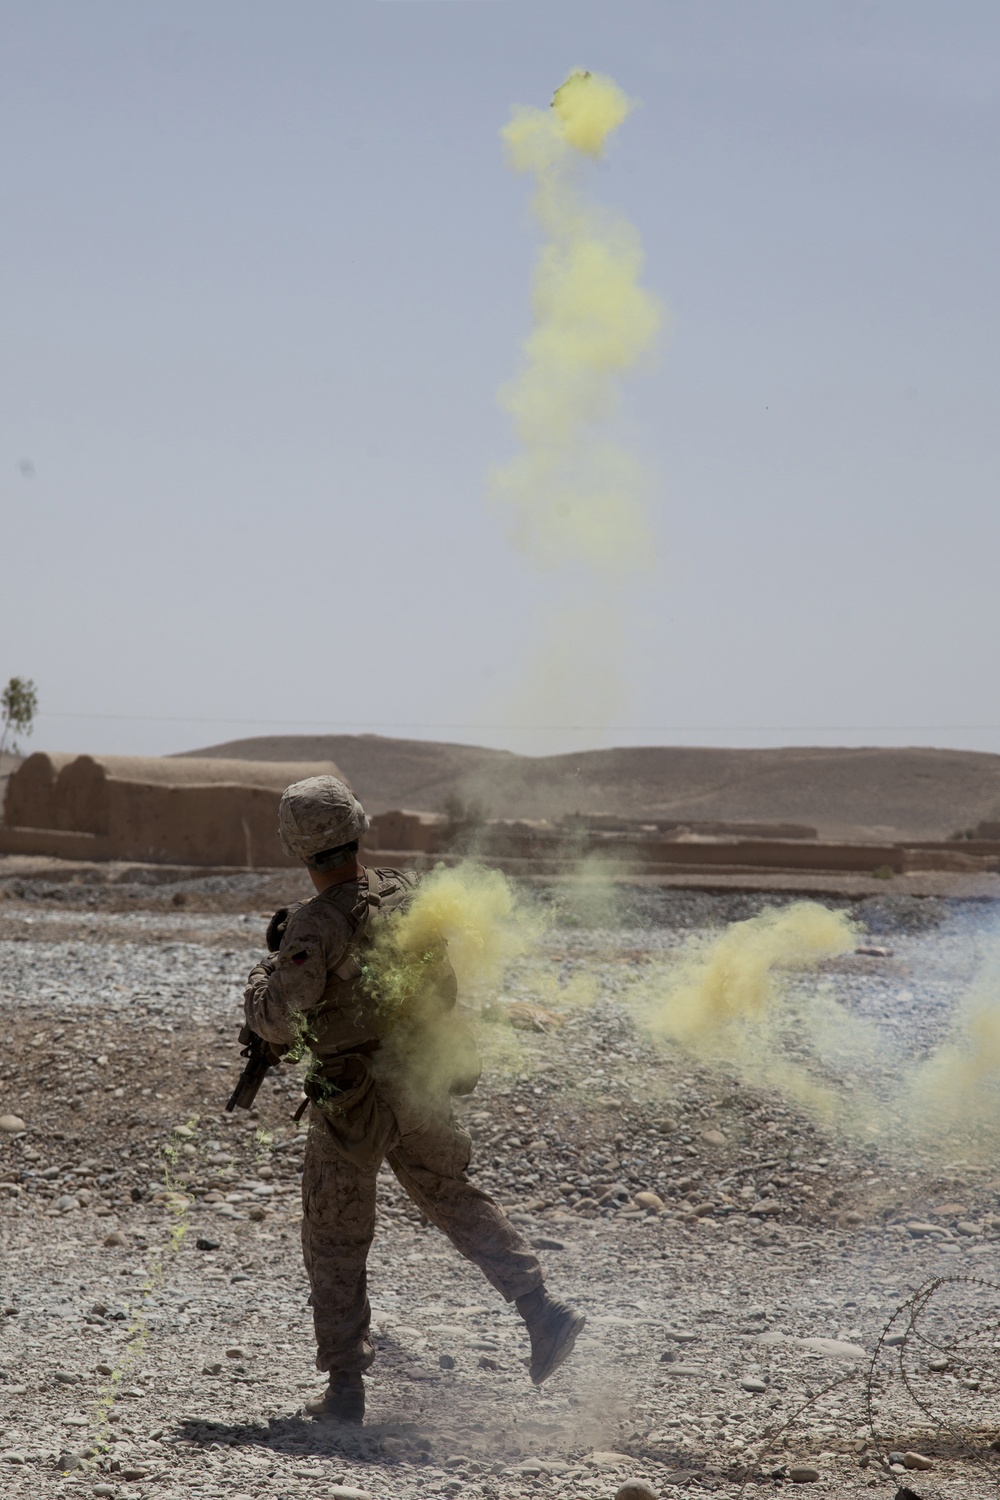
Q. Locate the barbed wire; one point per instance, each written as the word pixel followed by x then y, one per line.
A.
pixel 916 1340
pixel 909 1339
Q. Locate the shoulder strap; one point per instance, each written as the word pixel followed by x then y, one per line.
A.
pixel 369 900
pixel 360 918
pixel 373 894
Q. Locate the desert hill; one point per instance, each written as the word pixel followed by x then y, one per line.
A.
pixel 387 773
pixel 844 793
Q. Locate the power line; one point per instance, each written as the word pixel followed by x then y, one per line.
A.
pixel 365 725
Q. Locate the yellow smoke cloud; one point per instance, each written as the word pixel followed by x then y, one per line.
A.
pixel 730 1003
pixel 736 981
pixel 584 112
pixel 588 107
pixel 953 1097
pixel 727 1003
pixel 477 913
pixel 736 1001
pixel 475 916
pixel 474 913
pixel 574 494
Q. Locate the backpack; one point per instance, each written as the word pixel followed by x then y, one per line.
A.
pixel 351 1011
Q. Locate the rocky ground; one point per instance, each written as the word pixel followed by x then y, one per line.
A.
pixel 739 1264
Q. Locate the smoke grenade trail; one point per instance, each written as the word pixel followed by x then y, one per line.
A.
pixel 574 495
pixel 577 501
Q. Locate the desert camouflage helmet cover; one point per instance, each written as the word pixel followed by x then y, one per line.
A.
pixel 318 813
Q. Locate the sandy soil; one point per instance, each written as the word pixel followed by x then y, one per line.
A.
pixel 732 1333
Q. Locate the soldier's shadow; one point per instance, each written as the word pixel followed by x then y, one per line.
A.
pixel 412 1441
pixel 295 1434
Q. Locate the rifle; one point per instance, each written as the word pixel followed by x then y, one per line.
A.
pixel 261 1057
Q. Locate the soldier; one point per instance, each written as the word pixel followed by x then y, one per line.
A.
pixel 378 1091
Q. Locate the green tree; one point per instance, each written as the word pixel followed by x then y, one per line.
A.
pixel 19 703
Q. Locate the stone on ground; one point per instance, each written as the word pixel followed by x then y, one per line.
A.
pixel 649 1200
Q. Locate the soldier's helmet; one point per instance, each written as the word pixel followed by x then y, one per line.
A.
pixel 319 816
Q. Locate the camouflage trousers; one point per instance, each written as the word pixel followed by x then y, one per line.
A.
pixel 429 1153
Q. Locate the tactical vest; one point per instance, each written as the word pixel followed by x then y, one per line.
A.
pixel 348 1017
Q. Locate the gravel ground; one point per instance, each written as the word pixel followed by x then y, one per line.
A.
pixel 733 1317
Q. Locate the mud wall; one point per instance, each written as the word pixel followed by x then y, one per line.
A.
pixel 218 825
pixel 190 811
pixel 519 848
pixel 31 797
pixel 400 829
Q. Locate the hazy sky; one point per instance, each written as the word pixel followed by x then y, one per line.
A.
pixel 264 268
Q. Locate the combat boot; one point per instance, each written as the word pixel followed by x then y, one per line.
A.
pixel 342 1401
pixel 553 1328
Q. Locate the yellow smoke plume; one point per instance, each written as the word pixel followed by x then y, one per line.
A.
pixel 953 1097
pixel 737 980
pixel 474 917
pixel 727 1003
pixel 477 913
pixel 574 493
pixel 730 1003
pixel 736 1001
pixel 474 914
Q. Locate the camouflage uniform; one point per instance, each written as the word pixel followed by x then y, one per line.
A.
pixel 391 1105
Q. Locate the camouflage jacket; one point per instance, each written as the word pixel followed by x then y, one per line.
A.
pixel 315 987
